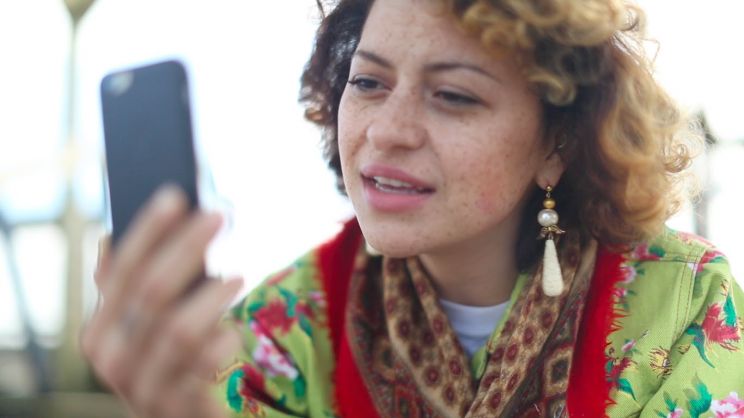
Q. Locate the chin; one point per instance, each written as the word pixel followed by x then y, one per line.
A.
pixel 391 244
pixel 394 251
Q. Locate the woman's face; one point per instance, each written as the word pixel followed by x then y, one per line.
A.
pixel 439 140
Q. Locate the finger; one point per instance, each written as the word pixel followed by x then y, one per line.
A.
pixel 182 339
pixel 217 356
pixel 222 347
pixel 174 268
pixel 178 399
pixel 188 397
pixel 103 263
pixel 121 332
pixel 212 409
pixel 110 357
pixel 161 214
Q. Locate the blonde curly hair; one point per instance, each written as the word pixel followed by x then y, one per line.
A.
pixel 625 142
pixel 626 145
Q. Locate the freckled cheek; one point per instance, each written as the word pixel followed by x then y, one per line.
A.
pixel 489 199
pixel 351 140
pixel 497 190
pixel 484 202
pixel 348 134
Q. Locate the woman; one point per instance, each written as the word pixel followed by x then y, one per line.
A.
pixel 451 126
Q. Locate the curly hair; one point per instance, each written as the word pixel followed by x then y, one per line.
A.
pixel 625 144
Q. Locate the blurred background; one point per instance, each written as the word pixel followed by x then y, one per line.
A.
pixel 244 59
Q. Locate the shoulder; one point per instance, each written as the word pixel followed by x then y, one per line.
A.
pixel 672 246
pixel 676 303
pixel 291 296
pixel 314 277
pixel 284 344
pixel 287 358
pixel 299 300
pixel 666 283
pixel 672 273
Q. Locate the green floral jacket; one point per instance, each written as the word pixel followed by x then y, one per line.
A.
pixel 675 350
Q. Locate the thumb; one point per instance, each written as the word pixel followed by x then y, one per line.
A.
pixel 103 264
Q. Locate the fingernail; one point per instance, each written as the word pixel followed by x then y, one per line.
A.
pixel 167 196
pixel 234 285
pixel 98 259
pixel 211 220
pixel 233 288
pixel 215 217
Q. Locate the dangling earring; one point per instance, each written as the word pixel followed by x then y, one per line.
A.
pixel 552 280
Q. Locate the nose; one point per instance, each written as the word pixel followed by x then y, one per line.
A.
pixel 398 123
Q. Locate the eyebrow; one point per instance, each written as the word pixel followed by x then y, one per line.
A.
pixel 433 67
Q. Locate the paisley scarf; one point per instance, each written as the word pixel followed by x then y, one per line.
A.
pixel 411 361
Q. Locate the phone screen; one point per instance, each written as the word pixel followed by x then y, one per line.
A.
pixel 148 137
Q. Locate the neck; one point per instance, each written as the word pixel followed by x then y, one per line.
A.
pixel 479 272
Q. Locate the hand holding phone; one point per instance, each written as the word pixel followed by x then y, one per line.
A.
pixel 155 344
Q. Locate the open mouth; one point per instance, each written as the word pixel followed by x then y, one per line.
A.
pixel 395 186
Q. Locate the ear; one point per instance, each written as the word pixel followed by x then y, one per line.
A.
pixel 551 170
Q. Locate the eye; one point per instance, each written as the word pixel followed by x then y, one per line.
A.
pixel 365 83
pixel 456 99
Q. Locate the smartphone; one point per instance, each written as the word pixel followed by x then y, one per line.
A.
pixel 148 138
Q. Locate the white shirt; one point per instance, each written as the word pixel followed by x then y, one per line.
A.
pixel 473 324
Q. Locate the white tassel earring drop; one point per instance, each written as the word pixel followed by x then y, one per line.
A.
pixel 552 279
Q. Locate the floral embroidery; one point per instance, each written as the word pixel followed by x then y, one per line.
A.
pixel 279 277
pixel 621 297
pixel 660 363
pixel 714 330
pixel 677 413
pixel 729 311
pixel 629 272
pixel 318 298
pixel 689 238
pixel 265 381
pixel 617 365
pixel 645 251
pixel 615 368
pixel 246 390
pixel 233 396
pixel 712 256
pixel 699 398
pixel 269 357
pixel 729 407
pixel 672 410
pixel 281 314
pixel 274 316
pixel 628 347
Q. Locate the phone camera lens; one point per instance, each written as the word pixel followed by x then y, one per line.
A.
pixel 118 84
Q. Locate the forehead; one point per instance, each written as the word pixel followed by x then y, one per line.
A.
pixel 419 28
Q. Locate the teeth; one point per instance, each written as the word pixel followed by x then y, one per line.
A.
pixel 396 186
pixel 392 182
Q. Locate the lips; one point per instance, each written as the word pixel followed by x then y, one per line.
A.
pixel 394 180
pixel 389 185
pixel 389 189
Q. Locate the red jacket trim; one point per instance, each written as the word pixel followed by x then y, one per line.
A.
pixel 588 388
pixel 336 263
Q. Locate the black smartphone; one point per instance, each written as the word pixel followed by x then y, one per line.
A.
pixel 148 137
